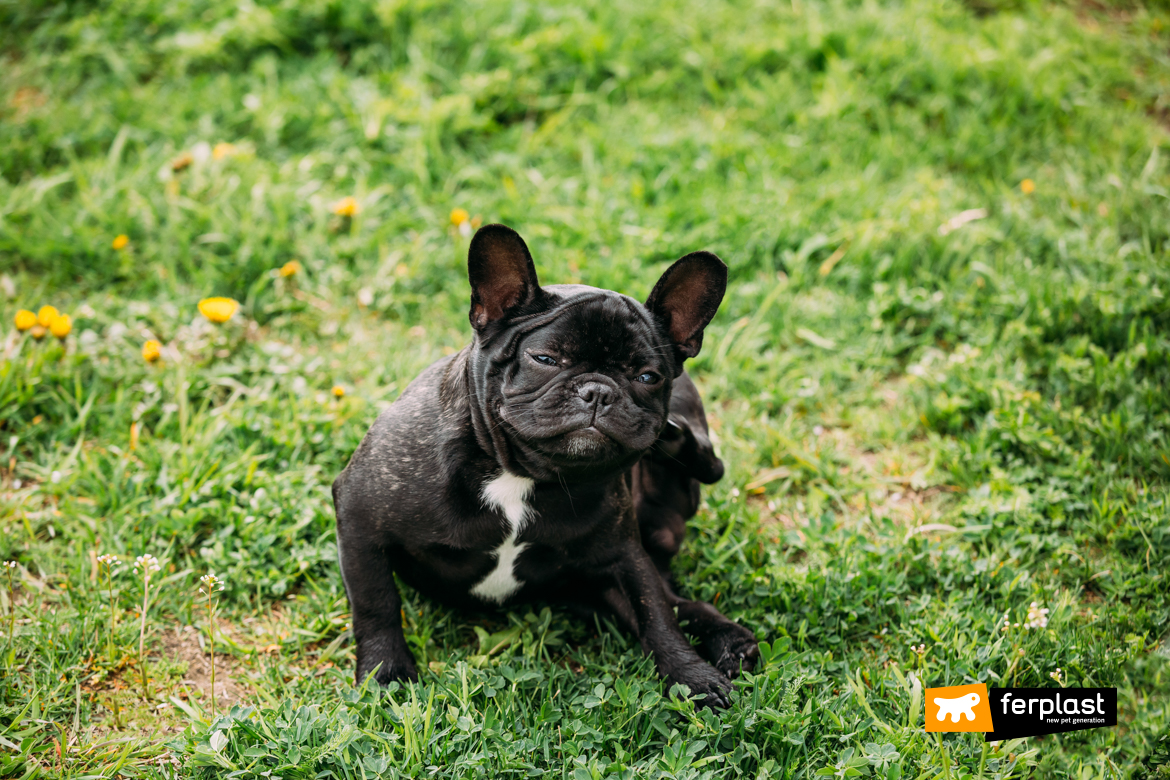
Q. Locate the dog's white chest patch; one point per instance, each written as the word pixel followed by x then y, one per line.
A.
pixel 509 494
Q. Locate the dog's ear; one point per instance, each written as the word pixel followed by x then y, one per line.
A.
pixel 501 272
pixel 686 298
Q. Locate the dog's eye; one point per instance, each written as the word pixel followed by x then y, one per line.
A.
pixel 545 360
pixel 648 378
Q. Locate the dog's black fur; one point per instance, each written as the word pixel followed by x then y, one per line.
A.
pixel 523 467
pixel 666 479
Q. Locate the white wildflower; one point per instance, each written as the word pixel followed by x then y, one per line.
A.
pixel 211 584
pixel 147 565
pixel 1037 616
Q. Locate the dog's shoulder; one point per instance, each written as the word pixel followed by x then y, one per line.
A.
pixel 411 440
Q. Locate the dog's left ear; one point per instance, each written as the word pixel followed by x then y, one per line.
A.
pixel 686 298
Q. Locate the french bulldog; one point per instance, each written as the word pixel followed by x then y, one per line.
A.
pixel 511 471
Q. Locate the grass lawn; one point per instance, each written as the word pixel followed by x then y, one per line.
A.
pixel 939 379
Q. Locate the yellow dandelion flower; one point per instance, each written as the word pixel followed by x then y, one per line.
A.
pixel 38 332
pixel 182 162
pixel 347 207
pixel 25 319
pixel 459 216
pixel 1027 186
pixel 61 326
pixel 291 268
pixel 151 350
pixel 46 315
pixel 338 391
pixel 222 150
pixel 121 241
pixel 218 309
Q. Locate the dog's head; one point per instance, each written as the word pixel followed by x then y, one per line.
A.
pixel 570 382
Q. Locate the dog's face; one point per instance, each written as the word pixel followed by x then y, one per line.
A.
pixel 589 390
pixel 573 380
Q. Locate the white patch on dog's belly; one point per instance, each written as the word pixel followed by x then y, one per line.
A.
pixel 509 495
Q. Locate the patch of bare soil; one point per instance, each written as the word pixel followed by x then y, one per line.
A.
pixel 189 645
pixel 914 507
pixel 893 479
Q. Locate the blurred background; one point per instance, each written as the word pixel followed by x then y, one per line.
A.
pixel 938 378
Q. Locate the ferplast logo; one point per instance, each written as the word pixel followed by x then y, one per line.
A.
pixel 958 708
pixel 1011 713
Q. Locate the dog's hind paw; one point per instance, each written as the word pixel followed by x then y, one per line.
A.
pixel 709 686
pixel 733 650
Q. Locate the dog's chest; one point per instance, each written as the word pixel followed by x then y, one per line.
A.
pixel 511 496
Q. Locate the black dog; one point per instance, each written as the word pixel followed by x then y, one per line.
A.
pixel 505 472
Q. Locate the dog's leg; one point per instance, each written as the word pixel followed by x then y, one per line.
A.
pixel 377 614
pixel 621 609
pixel 662 530
pixel 728 646
pixel 640 600
pixel 725 643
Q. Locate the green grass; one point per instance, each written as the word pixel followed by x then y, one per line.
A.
pixel 937 427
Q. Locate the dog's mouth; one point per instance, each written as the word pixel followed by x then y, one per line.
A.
pixel 587 443
pixel 575 441
pixel 587 446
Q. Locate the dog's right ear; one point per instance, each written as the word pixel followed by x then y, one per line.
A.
pixel 502 275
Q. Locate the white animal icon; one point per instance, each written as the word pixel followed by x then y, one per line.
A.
pixel 962 705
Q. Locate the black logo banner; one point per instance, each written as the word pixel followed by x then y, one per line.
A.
pixel 1030 712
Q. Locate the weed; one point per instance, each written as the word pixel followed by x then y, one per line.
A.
pixel 146 566
pixel 9 568
pixel 210 586
pixel 110 564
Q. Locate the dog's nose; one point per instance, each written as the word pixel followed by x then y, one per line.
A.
pixel 596 393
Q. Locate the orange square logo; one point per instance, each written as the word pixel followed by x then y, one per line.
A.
pixel 958 708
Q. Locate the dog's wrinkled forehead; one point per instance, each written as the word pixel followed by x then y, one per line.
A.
pixel 597 326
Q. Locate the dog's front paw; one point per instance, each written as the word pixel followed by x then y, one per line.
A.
pixel 704 681
pixel 386 667
pixel 732 650
pixel 399 672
